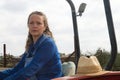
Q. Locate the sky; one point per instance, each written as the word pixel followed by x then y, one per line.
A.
pixel 92 25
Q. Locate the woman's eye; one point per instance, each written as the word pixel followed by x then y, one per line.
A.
pixel 35 23
pixel 38 23
pixel 31 23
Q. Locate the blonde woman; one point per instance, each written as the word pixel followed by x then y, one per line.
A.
pixel 41 60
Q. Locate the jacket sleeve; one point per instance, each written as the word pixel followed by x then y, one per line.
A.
pixel 41 57
pixel 10 71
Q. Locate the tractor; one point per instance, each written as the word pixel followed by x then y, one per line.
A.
pixel 112 75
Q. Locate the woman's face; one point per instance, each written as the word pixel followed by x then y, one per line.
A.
pixel 36 25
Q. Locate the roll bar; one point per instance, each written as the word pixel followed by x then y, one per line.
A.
pixel 76 36
pixel 110 29
pixel 111 35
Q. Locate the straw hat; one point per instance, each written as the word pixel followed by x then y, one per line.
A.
pixel 89 66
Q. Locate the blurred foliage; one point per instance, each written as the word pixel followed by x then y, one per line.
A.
pixel 10 60
pixel 104 56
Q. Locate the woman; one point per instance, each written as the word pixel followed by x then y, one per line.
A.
pixel 41 60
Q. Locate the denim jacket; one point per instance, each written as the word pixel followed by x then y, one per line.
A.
pixel 45 64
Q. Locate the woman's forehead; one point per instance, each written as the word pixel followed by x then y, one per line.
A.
pixel 36 16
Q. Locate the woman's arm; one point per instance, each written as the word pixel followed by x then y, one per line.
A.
pixel 10 71
pixel 41 57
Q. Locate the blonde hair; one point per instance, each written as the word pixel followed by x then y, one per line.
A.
pixel 47 30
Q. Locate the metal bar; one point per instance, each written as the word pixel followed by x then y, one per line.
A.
pixel 76 36
pixel 4 51
pixel 111 35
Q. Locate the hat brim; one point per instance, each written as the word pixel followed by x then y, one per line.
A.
pixel 93 74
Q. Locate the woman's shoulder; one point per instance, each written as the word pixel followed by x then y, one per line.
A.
pixel 44 39
pixel 49 39
pixel 49 42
